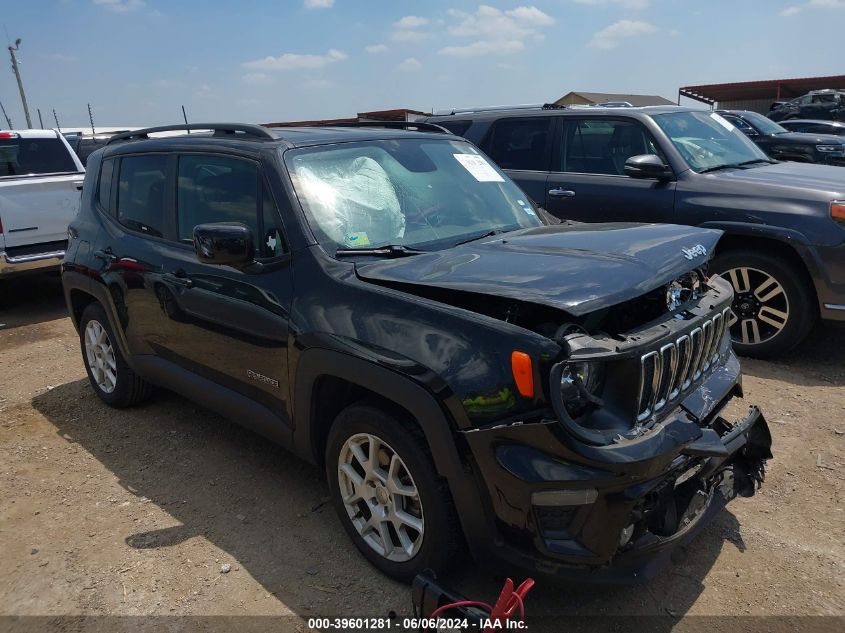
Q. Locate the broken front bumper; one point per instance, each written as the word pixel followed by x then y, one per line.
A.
pixel 612 513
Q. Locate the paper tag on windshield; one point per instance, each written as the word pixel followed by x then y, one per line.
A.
pixel 718 118
pixel 480 169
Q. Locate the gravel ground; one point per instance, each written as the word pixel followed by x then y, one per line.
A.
pixel 168 509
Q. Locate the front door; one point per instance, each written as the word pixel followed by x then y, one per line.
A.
pixel 587 181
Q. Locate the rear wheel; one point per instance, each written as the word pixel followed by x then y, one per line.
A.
pixel 773 308
pixel 387 493
pixel 112 379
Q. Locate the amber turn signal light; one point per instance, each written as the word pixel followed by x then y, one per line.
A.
pixel 837 210
pixel 523 373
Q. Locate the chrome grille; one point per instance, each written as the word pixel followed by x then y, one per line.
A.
pixel 669 372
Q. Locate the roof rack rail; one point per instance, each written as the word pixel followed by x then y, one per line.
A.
pixel 219 129
pixel 523 106
pixel 399 125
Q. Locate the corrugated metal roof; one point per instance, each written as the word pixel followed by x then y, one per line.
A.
pixel 604 97
pixel 765 89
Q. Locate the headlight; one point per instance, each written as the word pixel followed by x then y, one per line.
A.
pixel 831 148
pixel 581 384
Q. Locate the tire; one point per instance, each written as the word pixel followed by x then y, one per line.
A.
pixel 773 308
pixel 120 387
pixel 434 546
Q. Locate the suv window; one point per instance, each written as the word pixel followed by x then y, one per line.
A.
pixel 213 188
pixel 601 146
pixel 140 193
pixel 740 123
pixel 24 156
pixel 105 184
pixel 456 127
pixel 520 143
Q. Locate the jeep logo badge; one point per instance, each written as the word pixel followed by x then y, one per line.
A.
pixel 696 251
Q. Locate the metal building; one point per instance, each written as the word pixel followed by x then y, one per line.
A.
pixel 757 96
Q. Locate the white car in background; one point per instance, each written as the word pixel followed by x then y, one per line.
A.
pixel 40 182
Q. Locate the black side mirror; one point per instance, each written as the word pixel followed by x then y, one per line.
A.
pixel 648 166
pixel 224 243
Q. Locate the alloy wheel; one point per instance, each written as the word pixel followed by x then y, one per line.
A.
pixel 760 309
pixel 100 356
pixel 380 497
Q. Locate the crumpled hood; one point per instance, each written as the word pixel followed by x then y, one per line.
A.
pixel 577 268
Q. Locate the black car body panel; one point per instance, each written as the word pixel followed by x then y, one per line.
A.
pixel 818 104
pixel 281 346
pixel 814 126
pixel 786 203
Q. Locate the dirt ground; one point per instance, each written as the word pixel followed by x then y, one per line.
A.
pixel 168 509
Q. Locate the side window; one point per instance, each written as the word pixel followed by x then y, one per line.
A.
pixel 739 123
pixel 601 146
pixel 104 185
pixel 520 143
pixel 140 193
pixel 226 189
pixel 456 127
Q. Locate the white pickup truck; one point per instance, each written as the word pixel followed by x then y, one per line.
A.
pixel 40 182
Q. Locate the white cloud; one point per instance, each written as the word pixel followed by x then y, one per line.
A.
pixel 483 47
pixel 813 4
pixel 409 36
pixel 628 4
pixel 611 36
pixel 411 64
pixel 120 6
pixel 496 31
pixel 410 22
pixel 295 61
pixel 256 78
pixel 375 49
pixel 318 4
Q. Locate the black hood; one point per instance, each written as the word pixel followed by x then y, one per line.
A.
pixel 809 138
pixel 579 269
pixel 814 182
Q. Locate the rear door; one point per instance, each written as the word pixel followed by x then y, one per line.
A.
pixel 587 181
pixel 39 189
pixel 521 147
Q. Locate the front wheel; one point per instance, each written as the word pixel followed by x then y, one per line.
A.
pixel 392 503
pixel 773 307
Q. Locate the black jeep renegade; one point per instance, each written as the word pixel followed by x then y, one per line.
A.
pixel 388 304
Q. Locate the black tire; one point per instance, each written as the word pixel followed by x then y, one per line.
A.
pixel 129 389
pixel 441 537
pixel 795 298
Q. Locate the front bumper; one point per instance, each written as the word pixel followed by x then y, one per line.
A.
pixel 613 513
pixel 15 264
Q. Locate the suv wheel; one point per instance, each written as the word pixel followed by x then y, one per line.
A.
pixel 112 379
pixel 387 494
pixel 772 309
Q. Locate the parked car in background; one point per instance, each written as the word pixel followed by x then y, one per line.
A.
pixel 818 104
pixel 782 144
pixel 784 244
pixel 40 181
pixel 389 305
pixel 815 126
pixel 84 144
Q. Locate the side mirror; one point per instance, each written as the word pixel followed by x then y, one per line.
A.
pixel 224 244
pixel 648 166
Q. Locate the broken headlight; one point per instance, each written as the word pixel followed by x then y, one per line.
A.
pixel 581 385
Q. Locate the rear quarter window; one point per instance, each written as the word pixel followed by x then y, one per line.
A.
pixel 141 189
pixel 33 156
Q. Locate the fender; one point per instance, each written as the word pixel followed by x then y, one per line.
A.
pixel 794 239
pixel 475 518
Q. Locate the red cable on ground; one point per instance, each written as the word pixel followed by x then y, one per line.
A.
pixel 505 606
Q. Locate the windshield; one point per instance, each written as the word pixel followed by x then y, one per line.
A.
pixel 763 124
pixel 707 141
pixel 418 193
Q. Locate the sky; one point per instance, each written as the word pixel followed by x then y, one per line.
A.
pixel 138 61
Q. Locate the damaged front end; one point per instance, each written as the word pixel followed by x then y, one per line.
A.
pixel 639 455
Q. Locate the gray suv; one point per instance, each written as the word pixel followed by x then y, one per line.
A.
pixel 784 244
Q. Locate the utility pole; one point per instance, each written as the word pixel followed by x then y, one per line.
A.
pixel 6 116
pixel 15 68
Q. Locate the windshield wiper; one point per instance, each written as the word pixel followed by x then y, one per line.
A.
pixel 388 250
pixel 757 160
pixel 482 236
pixel 737 165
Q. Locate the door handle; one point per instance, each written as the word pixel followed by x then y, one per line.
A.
pixel 561 193
pixel 178 279
pixel 106 255
pixel 78 184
